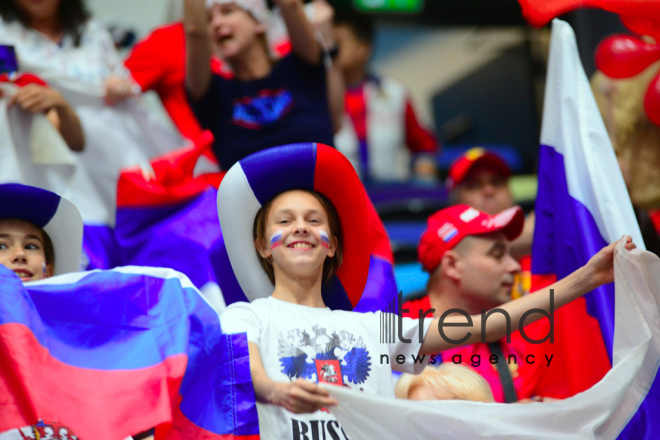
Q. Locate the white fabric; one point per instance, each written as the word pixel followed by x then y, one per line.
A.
pixel 284 330
pixel 600 412
pixel 389 159
pixel 116 137
pixel 573 126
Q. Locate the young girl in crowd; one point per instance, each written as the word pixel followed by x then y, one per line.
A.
pixel 40 232
pixel 265 103
pixel 302 208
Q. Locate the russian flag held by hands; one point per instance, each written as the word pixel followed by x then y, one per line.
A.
pixel 112 353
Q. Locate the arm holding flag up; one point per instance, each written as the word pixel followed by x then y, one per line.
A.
pixel 597 272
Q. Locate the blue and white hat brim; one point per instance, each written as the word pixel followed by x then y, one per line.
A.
pixel 58 217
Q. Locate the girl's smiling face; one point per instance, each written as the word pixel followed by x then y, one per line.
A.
pixel 298 235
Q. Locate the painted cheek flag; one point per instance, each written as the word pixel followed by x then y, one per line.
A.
pixel 109 354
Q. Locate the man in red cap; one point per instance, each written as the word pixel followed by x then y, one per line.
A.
pixel 480 178
pixel 467 253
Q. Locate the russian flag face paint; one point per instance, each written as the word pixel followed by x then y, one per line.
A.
pixel 275 239
pixel 325 240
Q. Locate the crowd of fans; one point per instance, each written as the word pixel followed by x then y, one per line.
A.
pixel 216 70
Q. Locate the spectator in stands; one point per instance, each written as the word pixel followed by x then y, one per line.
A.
pixel 480 178
pixel 447 382
pixel 266 102
pixel 466 251
pixel 380 128
pixel 158 63
pixel 57 37
pixel 40 232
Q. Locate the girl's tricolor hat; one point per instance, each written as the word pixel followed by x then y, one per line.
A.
pixel 255 180
pixel 446 228
pixel 58 217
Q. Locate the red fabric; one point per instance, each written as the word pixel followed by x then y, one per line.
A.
pixel 356 108
pixel 526 375
pixel 173 179
pixel 335 178
pixel 581 358
pixel 94 405
pixel 641 16
pixel 655 218
pixel 184 429
pixel 24 79
pixel 158 63
pixel 379 242
pixel 418 139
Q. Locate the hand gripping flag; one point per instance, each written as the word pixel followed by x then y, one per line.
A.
pixel 112 353
pixel 610 409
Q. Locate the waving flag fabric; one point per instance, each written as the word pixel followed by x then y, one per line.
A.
pixel 626 402
pixel 582 205
pixel 608 410
pixel 113 353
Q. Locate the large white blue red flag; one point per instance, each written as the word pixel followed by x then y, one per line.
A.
pixel 108 354
pixel 582 205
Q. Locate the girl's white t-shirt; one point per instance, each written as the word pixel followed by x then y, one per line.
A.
pixel 322 345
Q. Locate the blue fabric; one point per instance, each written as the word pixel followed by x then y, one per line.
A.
pixel 113 321
pixel 566 236
pixel 178 236
pixel 290 105
pixel 381 286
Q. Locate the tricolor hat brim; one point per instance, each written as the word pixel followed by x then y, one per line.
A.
pixel 253 181
pixel 58 217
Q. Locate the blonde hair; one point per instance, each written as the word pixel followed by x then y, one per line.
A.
pixel 447 382
pixel 635 138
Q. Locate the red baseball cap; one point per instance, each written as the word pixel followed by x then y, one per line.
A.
pixel 447 227
pixel 460 168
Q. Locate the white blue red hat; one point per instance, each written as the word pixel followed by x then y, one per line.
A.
pixel 57 216
pixel 253 181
